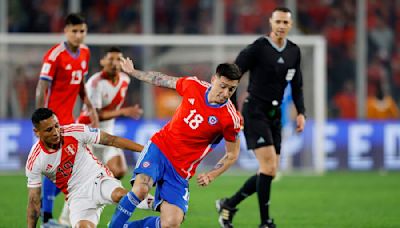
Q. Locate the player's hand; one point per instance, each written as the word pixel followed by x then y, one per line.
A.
pixel 134 112
pixel 127 65
pixel 204 179
pixel 300 122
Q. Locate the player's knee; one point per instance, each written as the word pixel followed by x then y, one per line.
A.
pixel 171 221
pixel 269 170
pixel 119 173
pixel 141 190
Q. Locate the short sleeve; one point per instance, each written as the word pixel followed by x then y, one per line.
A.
pixel 33 172
pixel 232 127
pixel 82 133
pixel 49 66
pixel 184 83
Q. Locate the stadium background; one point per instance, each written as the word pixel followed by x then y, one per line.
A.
pixel 363 52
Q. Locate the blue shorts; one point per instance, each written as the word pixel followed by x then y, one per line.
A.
pixel 170 186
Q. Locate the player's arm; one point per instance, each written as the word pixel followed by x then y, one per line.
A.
pixel 230 157
pixel 152 77
pixel 123 143
pixel 298 96
pixel 33 210
pixel 41 88
pixel 94 118
pixel 134 112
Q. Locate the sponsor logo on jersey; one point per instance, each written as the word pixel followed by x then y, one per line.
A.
pixel 93 129
pixel 68 67
pixel 70 149
pixel 280 60
pixel 83 64
pixel 146 164
pixel 191 101
pixel 212 120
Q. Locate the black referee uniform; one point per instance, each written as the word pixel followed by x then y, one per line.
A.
pixel 271 69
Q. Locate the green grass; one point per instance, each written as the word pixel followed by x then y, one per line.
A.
pixel 338 199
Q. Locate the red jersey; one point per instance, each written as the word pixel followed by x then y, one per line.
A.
pixel 196 127
pixel 65 71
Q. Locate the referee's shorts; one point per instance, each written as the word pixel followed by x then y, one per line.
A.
pixel 262 124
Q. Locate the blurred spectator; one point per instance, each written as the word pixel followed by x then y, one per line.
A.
pixel 395 65
pixel 21 86
pixel 382 38
pixel 37 16
pixel 381 106
pixel 345 101
pixel 333 18
pixel 376 73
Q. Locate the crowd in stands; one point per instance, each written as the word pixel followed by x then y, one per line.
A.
pixel 335 19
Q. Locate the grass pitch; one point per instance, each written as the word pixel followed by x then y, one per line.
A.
pixel 337 199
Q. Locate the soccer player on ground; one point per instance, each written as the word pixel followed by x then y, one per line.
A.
pixel 204 117
pixel 273 62
pixel 62 154
pixel 61 80
pixel 106 91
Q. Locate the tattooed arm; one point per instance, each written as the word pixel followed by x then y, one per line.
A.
pixel 152 77
pixel 33 210
pixel 115 141
pixel 230 157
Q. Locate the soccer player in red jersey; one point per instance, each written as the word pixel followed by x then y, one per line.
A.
pixel 204 117
pixel 61 80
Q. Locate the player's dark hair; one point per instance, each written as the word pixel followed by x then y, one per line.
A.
pixel 229 70
pixel 282 9
pixel 41 114
pixel 74 19
pixel 114 49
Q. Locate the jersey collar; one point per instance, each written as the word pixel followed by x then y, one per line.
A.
pixel 73 55
pixel 212 105
pixel 46 150
pixel 107 78
pixel 279 49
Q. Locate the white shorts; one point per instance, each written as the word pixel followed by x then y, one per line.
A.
pixel 88 202
pixel 105 153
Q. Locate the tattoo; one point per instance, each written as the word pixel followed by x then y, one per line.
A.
pixel 218 165
pixel 33 211
pixel 107 139
pixel 157 78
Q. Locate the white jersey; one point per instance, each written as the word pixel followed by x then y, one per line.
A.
pixel 70 166
pixel 105 95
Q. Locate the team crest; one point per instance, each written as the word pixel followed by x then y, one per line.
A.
pixel 212 120
pixel 70 149
pixel 83 64
pixel 146 164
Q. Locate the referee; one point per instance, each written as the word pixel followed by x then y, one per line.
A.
pixel 273 61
